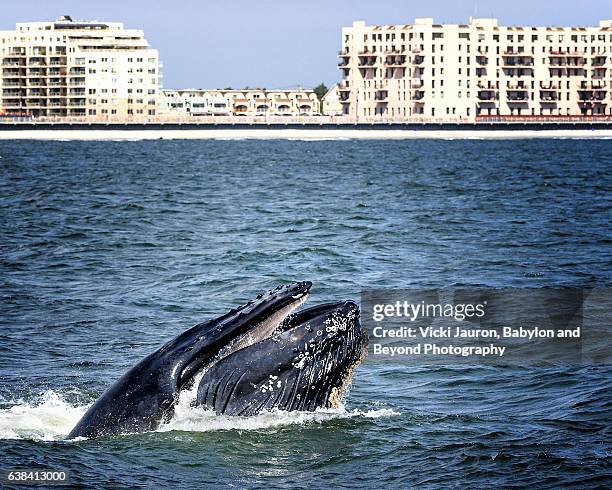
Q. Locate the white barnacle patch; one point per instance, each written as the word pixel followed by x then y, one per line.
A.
pixel 300 361
pixel 338 323
pixel 270 384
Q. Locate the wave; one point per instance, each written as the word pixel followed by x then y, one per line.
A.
pixel 50 418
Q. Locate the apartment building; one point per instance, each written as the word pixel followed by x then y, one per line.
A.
pixel 230 102
pixel 74 68
pixel 462 71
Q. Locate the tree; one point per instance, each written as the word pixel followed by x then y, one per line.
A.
pixel 320 90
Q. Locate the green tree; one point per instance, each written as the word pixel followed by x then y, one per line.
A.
pixel 320 90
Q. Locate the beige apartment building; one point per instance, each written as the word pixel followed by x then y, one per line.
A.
pixel 248 102
pixel 462 71
pixel 74 68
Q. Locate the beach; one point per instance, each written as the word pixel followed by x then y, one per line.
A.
pixel 297 134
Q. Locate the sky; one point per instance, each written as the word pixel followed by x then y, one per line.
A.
pixel 280 43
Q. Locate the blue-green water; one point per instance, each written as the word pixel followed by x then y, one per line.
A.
pixel 109 249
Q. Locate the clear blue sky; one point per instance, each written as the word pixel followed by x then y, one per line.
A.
pixel 280 43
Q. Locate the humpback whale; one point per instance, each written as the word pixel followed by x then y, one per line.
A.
pixel 260 356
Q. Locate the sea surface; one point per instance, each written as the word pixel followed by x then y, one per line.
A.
pixel 109 249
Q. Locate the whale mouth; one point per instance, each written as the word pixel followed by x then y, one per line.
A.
pixel 304 364
pixel 265 329
pixel 260 319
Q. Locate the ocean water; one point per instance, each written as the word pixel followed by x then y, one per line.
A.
pixel 109 249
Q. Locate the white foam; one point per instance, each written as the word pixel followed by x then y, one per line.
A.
pixel 51 418
pixel 48 418
pixel 197 419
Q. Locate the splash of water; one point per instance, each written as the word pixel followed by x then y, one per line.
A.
pixel 190 418
pixel 48 418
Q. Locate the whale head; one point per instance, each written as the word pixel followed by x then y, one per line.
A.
pixel 305 364
pixel 321 344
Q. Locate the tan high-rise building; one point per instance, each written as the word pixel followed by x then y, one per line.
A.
pixel 461 71
pixel 73 68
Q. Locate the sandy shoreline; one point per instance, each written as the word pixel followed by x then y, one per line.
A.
pixel 300 134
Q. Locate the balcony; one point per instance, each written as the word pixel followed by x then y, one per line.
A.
pixel 12 105
pixel 517 99
pixel 598 60
pixel 565 64
pixel 567 59
pixel 418 94
pixel 367 61
pixel 343 54
pixel 549 85
pixel 517 60
pixel 418 60
pixel 591 87
pixel 395 61
pixel 381 96
pixel 516 54
pixel 592 102
pixel 549 99
pixel 488 94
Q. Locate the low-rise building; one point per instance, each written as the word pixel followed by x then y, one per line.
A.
pixel 231 102
pixel 330 104
pixel 74 68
